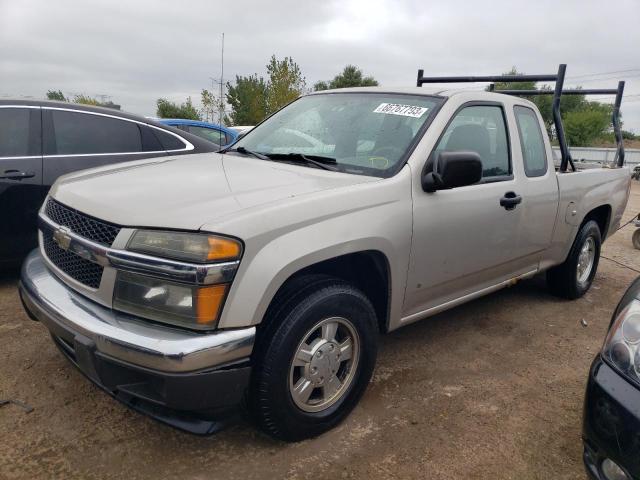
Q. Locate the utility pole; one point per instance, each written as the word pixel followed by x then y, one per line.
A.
pixel 222 83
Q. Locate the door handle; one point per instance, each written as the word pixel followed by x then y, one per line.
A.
pixel 510 200
pixel 16 175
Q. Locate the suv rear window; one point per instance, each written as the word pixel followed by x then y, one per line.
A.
pixel 86 133
pixel 168 141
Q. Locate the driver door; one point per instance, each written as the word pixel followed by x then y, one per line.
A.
pixel 463 239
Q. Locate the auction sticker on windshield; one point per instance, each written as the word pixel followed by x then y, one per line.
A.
pixel 397 109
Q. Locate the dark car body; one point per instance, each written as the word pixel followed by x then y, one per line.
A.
pixel 611 422
pixel 42 140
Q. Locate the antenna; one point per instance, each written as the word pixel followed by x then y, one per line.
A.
pixel 222 84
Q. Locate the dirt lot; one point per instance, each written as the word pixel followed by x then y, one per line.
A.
pixel 492 389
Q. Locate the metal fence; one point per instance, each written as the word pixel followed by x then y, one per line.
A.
pixel 601 155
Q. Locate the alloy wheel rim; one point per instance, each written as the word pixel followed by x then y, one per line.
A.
pixel 586 260
pixel 324 364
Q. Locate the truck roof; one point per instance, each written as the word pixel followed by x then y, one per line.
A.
pixel 477 93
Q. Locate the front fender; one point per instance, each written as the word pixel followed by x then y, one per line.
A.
pixel 272 257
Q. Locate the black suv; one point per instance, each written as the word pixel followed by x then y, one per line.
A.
pixel 611 428
pixel 41 140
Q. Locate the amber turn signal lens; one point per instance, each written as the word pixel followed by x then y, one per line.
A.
pixel 208 303
pixel 183 246
pixel 221 248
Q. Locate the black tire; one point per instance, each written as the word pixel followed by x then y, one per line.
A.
pixel 635 238
pixel 298 308
pixel 562 280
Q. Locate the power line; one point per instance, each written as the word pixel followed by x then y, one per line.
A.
pixel 604 73
pixel 616 77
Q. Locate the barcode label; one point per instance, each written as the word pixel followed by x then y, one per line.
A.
pixel 403 110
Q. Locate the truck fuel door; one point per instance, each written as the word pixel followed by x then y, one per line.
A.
pixel 571 215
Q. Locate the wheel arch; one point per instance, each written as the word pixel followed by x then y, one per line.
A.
pixel 367 270
pixel 602 216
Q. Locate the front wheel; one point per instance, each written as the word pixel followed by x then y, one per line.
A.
pixel 574 277
pixel 636 238
pixel 314 359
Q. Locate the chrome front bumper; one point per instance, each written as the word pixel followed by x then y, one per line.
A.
pixel 123 337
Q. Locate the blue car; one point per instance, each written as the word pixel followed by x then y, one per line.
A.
pixel 209 131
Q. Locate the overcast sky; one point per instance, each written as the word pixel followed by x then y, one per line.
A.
pixel 136 51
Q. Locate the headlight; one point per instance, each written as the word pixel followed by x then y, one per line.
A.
pixel 190 247
pixel 622 346
pixel 179 304
pixel 169 297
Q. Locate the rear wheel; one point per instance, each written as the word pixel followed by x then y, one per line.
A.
pixel 314 358
pixel 574 277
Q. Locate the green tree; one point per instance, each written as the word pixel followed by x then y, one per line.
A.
pixel 167 109
pixel 286 83
pixel 56 95
pixel 351 76
pixel 208 101
pixel 587 124
pixel 248 100
pixel 321 85
pixel 86 100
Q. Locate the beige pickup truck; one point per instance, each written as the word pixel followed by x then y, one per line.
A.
pixel 262 275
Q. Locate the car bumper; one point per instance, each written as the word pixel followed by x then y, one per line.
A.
pixel 188 379
pixel 611 424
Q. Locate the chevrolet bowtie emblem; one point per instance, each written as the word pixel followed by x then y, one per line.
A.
pixel 62 238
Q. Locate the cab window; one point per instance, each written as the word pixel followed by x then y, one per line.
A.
pixel 531 142
pixel 481 129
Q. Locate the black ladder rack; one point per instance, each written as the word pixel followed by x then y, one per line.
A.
pixel 557 93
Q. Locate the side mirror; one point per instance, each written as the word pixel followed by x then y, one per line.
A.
pixel 451 170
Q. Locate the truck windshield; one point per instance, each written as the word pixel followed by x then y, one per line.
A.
pixel 366 133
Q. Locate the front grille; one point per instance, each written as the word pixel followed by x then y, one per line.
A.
pixel 81 224
pixel 81 270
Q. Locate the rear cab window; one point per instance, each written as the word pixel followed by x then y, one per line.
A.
pixel 534 153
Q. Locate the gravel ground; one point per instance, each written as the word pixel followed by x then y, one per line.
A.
pixel 491 389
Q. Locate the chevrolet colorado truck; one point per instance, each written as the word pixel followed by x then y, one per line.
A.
pixel 262 275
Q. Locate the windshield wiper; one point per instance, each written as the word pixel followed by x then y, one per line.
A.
pixel 244 151
pixel 319 161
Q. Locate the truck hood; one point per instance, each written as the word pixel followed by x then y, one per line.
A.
pixel 188 191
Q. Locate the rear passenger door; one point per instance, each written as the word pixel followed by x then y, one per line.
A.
pixel 21 191
pixel 539 186
pixel 77 140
